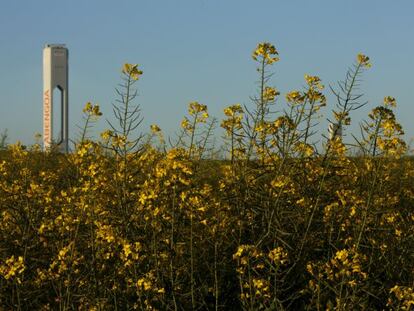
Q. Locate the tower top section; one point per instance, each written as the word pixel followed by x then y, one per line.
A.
pixel 56 45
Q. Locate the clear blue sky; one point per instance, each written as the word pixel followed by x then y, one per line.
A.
pixel 198 50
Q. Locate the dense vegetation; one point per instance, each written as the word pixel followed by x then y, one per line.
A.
pixel 131 222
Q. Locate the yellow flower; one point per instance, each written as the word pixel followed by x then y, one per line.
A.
pixel 196 107
pixel 279 182
pixel 363 60
pixel 127 250
pixel 155 128
pixel 405 295
pixel 341 255
pixel 132 71
pixel 88 107
pixel 233 110
pixel 390 101
pixel 278 256
pixel 267 51
pixel 258 283
pixel 106 135
pixel 270 93
pixel 92 110
pixel 313 81
pixel 13 266
pixel 294 96
pixel 96 111
pixel 352 283
pixel 144 284
pixel 185 124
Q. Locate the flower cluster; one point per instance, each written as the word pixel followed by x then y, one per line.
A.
pixel 12 268
pixel 267 52
pixel 132 71
pixel 363 60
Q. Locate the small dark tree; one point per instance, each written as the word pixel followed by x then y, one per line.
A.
pixel 3 139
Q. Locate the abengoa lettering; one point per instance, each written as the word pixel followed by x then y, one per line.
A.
pixel 46 118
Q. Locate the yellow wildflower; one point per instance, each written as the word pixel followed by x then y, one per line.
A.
pixel 132 71
pixel 267 51
pixel 363 60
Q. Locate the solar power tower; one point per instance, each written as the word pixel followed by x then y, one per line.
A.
pixel 335 130
pixel 55 84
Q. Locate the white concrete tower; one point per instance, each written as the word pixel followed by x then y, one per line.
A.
pixel 55 76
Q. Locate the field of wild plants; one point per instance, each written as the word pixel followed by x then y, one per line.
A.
pixel 288 219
